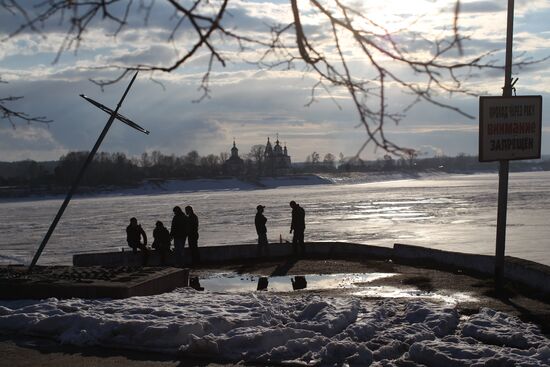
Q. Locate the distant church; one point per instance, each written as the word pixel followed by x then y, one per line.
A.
pixel 276 159
pixel 234 165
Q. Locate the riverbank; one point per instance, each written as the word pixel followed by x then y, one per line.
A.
pixel 173 186
pixel 166 186
pixel 404 302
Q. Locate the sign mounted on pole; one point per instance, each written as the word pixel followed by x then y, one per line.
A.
pixel 510 128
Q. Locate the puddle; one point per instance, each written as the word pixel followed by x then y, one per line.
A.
pixel 231 282
pixel 357 283
pixel 394 292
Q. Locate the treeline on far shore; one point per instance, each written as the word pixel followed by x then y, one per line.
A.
pixel 116 169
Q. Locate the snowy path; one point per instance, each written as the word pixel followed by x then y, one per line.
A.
pixel 302 330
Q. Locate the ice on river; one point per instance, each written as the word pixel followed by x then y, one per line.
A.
pixel 276 328
pixel 448 212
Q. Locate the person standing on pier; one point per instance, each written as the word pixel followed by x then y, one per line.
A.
pixel 161 241
pixel 134 233
pixel 193 234
pixel 298 226
pixel 261 228
pixel 178 232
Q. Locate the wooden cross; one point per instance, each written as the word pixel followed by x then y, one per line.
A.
pixel 113 115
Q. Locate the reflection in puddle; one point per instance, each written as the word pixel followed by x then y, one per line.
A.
pixel 231 282
pixel 299 282
pixel 394 292
pixel 263 282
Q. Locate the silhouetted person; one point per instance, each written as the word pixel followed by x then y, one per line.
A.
pixel 193 233
pixel 161 241
pixel 260 222
pixel 178 232
pixel 298 226
pixel 134 233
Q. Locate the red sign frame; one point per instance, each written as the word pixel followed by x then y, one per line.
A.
pixel 510 128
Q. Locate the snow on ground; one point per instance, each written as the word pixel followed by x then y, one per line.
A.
pixel 155 187
pixel 273 182
pixel 303 330
pixel 368 177
pixel 152 187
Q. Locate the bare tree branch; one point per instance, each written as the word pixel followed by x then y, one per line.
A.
pixel 353 36
pixel 12 116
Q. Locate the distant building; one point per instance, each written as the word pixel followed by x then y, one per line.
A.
pixel 234 165
pixel 276 159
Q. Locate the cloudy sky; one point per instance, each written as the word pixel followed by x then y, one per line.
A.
pixel 246 102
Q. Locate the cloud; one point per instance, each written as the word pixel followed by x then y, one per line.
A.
pixel 33 141
pixel 482 7
pixel 246 103
pixel 153 55
pixel 429 151
pixel 30 134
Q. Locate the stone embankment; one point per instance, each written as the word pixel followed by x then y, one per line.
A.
pixel 523 272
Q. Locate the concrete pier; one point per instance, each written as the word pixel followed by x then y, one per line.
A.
pixel 524 272
pixel 234 253
pixel 533 275
pixel 88 282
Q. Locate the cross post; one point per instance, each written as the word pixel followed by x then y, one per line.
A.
pixel 114 115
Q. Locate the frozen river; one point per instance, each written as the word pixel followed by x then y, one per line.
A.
pixel 413 328
pixel 450 212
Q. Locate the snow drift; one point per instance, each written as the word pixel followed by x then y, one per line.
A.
pixel 301 330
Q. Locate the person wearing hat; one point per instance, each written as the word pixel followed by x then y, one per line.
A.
pixel 260 222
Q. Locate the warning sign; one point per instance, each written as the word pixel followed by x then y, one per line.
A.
pixel 509 128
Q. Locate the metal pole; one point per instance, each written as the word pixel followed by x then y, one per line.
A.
pixel 507 90
pixel 501 222
pixel 504 164
pixel 79 177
